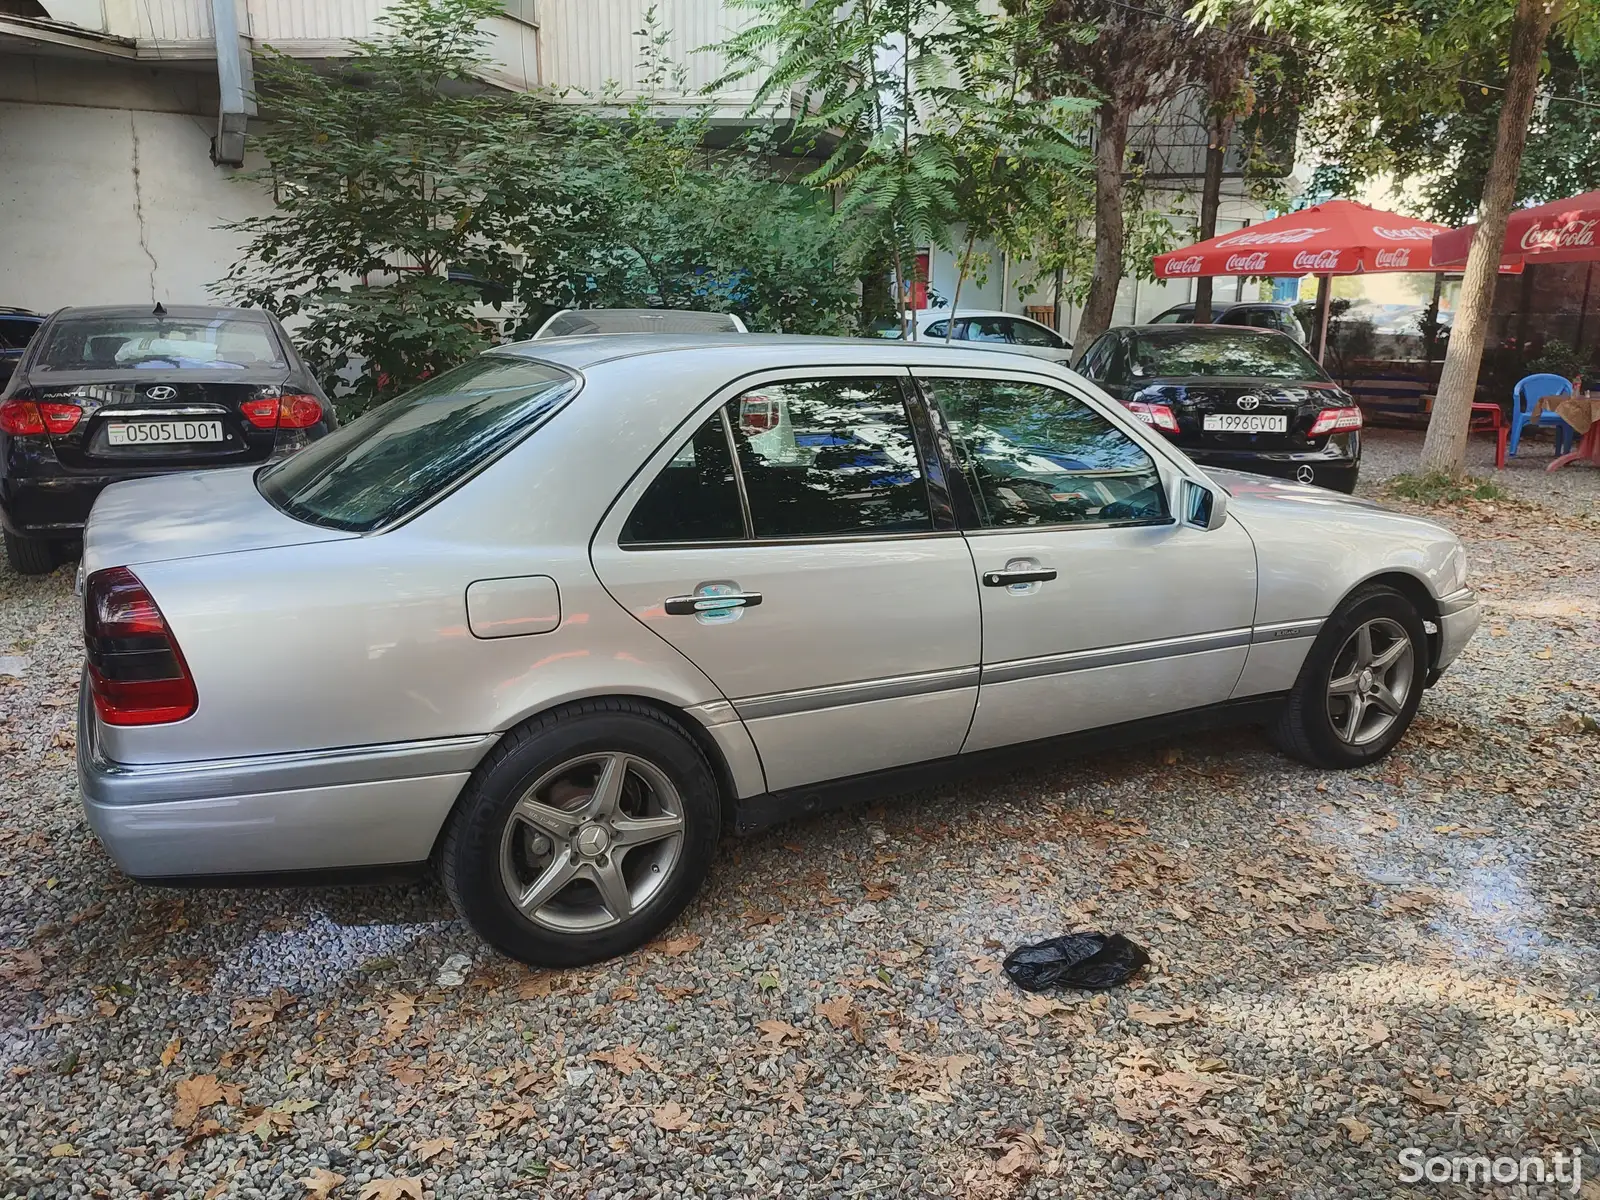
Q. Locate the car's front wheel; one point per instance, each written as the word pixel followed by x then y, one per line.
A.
pixel 1360 686
pixel 583 835
pixel 28 555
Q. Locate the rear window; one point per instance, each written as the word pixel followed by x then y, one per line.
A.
pixel 396 458
pixel 159 344
pixel 1218 350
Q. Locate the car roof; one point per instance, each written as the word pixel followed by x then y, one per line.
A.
pixel 1166 330
pixel 770 349
pixel 940 313
pixel 172 310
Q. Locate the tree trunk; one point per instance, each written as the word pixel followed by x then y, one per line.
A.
pixel 1445 447
pixel 1101 302
pixel 1210 202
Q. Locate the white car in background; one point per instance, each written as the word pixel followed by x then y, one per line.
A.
pixel 985 328
pixel 574 322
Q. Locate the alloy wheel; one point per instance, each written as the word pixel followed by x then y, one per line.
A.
pixel 1372 678
pixel 592 842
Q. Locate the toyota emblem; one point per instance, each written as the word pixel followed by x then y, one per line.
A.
pixel 1305 474
pixel 1246 403
pixel 162 391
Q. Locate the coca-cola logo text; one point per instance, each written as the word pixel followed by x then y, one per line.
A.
pixel 1324 260
pixel 1185 266
pixel 1247 263
pixel 1570 235
pixel 1280 237
pixel 1394 260
pixel 1412 233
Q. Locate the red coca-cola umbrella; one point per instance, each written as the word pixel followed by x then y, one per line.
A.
pixel 1559 232
pixel 1338 237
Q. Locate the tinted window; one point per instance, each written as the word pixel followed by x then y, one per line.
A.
pixel 937 330
pixel 1034 455
pixel 1173 317
pixel 695 498
pixel 1094 360
pixel 986 329
pixel 159 344
pixel 401 455
pixel 830 456
pixel 1026 333
pixel 1219 350
pixel 14 333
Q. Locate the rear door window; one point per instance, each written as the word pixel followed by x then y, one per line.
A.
pixel 828 458
pixel 15 333
pixel 694 499
pixel 1026 333
pixel 396 458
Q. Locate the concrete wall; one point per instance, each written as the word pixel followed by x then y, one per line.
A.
pixel 107 192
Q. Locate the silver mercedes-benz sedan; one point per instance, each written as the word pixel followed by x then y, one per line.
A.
pixel 555 619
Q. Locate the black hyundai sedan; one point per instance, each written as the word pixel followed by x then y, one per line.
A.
pixel 105 394
pixel 1244 399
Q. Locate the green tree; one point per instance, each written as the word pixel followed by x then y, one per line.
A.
pixel 683 226
pixel 878 79
pixel 392 172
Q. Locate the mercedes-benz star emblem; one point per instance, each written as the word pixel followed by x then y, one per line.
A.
pixel 162 392
pixel 1305 474
pixel 1246 403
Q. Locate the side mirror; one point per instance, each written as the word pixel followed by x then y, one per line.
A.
pixel 1202 505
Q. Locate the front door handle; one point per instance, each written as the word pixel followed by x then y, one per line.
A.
pixel 1027 575
pixel 708 603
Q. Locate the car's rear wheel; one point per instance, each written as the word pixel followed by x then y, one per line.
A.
pixel 1360 686
pixel 583 835
pixel 28 555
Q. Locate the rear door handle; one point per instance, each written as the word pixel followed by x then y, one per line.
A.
pixel 1007 578
pixel 695 606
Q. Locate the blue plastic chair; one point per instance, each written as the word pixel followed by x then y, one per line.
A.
pixel 1528 392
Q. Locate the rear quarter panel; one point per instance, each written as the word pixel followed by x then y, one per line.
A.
pixel 365 640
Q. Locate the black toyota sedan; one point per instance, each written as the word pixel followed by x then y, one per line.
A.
pixel 1244 399
pixel 105 394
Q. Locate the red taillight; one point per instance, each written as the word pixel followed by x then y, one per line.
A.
pixel 1158 415
pixel 1336 420
pixel 299 412
pixel 283 412
pixel 21 418
pixel 136 671
pixel 30 418
pixel 59 418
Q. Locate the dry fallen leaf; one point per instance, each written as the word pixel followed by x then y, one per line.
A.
pixel 879 891
pixel 1377 1033
pixel 320 1183
pixel 836 1012
pixel 63 1150
pixel 397 1013
pixel 1355 1129
pixel 432 1149
pixel 1426 1095
pixel 408 1188
pixel 201 1091
pixel 681 944
pixel 670 1117
pixel 171 1052
pixel 777 1032
pixel 1162 1016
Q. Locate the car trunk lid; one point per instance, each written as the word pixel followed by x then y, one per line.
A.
pixel 133 422
pixel 188 516
pixel 1239 402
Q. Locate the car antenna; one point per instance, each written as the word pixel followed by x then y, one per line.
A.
pixel 160 309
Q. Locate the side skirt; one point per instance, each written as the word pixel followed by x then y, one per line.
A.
pixel 314 877
pixel 755 813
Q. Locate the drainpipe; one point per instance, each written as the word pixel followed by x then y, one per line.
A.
pixel 235 85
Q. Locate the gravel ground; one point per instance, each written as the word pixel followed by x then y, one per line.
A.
pixel 1345 965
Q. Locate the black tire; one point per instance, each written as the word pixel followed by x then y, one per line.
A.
pixel 469 855
pixel 30 556
pixel 1306 728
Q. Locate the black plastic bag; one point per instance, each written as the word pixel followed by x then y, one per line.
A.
pixel 1091 962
